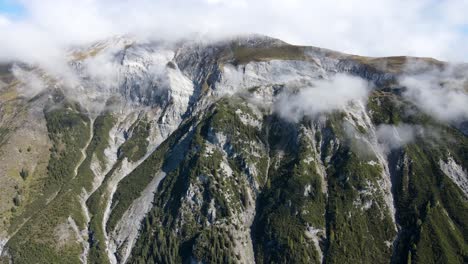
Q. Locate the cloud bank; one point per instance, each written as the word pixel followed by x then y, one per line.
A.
pixel 377 28
pixel 324 97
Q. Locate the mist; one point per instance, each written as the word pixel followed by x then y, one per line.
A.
pixel 392 137
pixel 324 96
pixel 32 82
pixel 439 92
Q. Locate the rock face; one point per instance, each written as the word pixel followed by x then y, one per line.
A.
pixel 247 150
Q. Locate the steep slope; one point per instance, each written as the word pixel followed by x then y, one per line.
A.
pixel 248 150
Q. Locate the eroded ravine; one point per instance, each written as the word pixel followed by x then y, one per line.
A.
pixel 83 150
pixel 84 195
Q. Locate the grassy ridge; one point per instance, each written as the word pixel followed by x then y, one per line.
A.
pixel 36 240
pixel 69 131
pixel 244 55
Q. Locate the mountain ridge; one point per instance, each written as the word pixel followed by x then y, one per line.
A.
pixel 240 151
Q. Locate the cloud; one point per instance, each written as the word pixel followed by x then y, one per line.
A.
pixel 377 28
pixel 324 96
pixel 441 93
pixel 396 136
pixel 4 21
pixel 31 82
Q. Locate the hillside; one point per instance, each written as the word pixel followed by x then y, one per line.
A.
pixel 248 150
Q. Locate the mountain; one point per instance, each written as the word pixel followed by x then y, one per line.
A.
pixel 247 150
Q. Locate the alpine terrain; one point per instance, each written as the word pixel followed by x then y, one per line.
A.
pixel 245 150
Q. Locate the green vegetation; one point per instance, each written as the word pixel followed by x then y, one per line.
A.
pixel 431 210
pixel 384 108
pixel 24 173
pixel 36 240
pixel 244 55
pixel 3 134
pixel 69 131
pixel 395 64
pixel 161 248
pixel 356 234
pixel 189 163
pixel 96 206
pixel 226 120
pixel 283 211
pixel 135 147
pixel 17 200
pixel 213 246
pixel 168 198
pixel 102 126
pixel 313 202
pixel 284 208
pixel 131 186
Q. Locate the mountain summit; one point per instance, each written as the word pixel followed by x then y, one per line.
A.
pixel 247 150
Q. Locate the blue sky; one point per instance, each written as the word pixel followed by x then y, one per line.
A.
pixel 11 8
pixel 464 29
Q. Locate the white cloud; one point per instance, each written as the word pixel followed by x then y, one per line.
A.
pixel 31 82
pixel 378 28
pixel 4 21
pixel 324 97
pixel 396 136
pixel 442 94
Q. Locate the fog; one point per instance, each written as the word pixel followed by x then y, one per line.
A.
pixel 439 92
pixel 324 96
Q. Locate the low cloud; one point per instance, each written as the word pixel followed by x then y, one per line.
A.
pixel 392 137
pixel 324 96
pixel 102 70
pixel 31 82
pixel 441 93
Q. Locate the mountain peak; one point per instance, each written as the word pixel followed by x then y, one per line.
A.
pixel 241 150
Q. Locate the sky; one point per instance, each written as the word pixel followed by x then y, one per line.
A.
pixel 38 30
pixel 11 8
